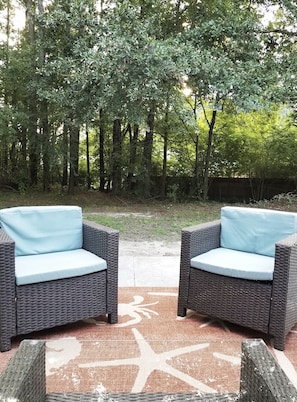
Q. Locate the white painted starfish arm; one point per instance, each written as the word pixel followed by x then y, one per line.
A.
pixel 184 350
pixel 228 358
pixel 198 385
pixel 111 363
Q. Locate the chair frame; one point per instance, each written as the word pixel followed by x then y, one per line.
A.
pixel 268 307
pixel 33 307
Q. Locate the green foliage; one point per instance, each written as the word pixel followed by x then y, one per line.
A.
pixel 134 56
pixel 257 144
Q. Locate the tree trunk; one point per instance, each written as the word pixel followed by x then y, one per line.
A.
pixel 134 134
pixel 147 153
pixel 74 157
pixel 165 150
pixel 101 152
pixel 65 145
pixel 4 167
pixel 44 129
pixel 44 125
pixel 208 154
pixel 116 157
pixel 196 169
pixel 34 141
pixel 88 158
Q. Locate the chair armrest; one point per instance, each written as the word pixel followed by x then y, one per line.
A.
pixel 24 377
pixel 7 291
pixel 7 258
pixel 195 240
pixel 286 255
pixel 262 378
pixel 104 242
pixel 100 240
pixel 284 289
pixel 200 238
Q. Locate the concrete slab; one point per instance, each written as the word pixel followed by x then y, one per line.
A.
pixel 156 271
pixel 126 271
pixel 153 264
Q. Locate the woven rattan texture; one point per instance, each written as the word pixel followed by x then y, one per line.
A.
pixel 261 376
pixel 7 290
pixel 150 397
pixel 49 304
pixel 230 293
pixel 24 377
pixel 284 291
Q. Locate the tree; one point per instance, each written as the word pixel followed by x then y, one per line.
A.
pixel 121 68
pixel 133 74
pixel 69 30
pixel 225 61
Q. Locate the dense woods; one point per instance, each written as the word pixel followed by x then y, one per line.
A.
pixel 111 94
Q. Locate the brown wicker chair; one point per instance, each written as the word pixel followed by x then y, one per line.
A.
pixel 261 380
pixel 36 306
pixel 266 306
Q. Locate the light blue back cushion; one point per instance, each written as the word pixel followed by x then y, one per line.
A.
pixel 255 230
pixel 43 229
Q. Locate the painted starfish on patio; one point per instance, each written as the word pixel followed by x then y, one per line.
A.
pixel 149 361
pixel 134 310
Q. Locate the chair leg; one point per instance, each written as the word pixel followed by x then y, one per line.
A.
pixel 5 344
pixel 279 343
pixel 181 311
pixel 112 318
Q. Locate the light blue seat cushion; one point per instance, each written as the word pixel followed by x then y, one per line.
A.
pixel 238 264
pixel 255 230
pixel 48 267
pixel 43 229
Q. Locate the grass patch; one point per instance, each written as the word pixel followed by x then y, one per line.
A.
pixel 163 223
pixel 137 220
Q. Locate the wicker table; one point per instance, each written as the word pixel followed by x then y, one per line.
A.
pixel 262 379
